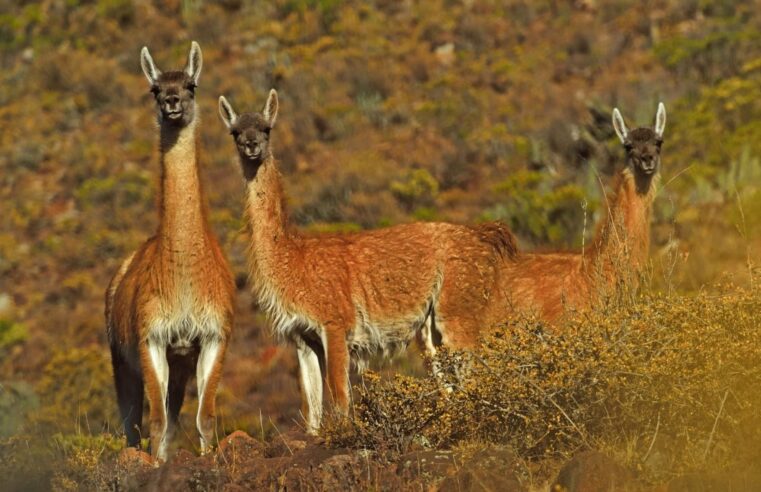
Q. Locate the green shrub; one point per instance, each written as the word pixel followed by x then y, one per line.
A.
pixel 417 188
pixel 76 392
pixel 17 399
pixel 331 227
pixel 84 462
pixel 11 333
pixel 122 11
pixel 537 211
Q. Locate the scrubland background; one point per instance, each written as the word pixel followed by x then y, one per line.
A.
pixel 391 111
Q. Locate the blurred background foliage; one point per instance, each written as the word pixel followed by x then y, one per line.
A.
pixel 391 111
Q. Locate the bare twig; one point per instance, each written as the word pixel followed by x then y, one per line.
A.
pixel 744 234
pixel 261 423
pixel 546 395
pixel 608 206
pixel 281 437
pixel 583 232
pixel 675 176
pixel 715 423
pixel 655 434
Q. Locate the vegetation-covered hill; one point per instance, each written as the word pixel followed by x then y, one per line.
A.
pixel 391 111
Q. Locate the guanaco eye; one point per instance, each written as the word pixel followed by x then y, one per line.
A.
pixel 155 90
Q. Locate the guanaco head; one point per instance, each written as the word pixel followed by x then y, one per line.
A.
pixel 174 90
pixel 643 145
pixel 251 132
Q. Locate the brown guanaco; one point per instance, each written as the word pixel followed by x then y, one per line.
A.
pixel 169 308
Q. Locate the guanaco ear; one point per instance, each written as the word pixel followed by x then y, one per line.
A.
pixel 195 61
pixel 270 108
pixel 227 113
pixel 149 68
pixel 660 120
pixel 620 126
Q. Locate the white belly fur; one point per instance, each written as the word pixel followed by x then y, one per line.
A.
pixel 185 321
pixel 388 338
pixel 367 338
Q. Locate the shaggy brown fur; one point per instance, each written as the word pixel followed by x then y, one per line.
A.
pixel 547 285
pixel 169 308
pixel 343 297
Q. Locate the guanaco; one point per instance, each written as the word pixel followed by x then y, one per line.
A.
pixel 549 284
pixel 169 308
pixel 341 297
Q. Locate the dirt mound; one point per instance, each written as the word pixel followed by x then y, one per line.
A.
pixel 296 461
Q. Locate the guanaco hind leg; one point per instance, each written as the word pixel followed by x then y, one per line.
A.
pixel 337 355
pixel 180 369
pixel 208 372
pixel 129 394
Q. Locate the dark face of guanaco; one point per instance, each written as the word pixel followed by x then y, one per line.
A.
pixel 174 91
pixel 251 133
pixel 642 145
pixel 643 151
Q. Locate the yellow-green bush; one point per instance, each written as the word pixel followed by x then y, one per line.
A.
pixel 678 377
pixel 85 462
pixel 11 333
pixel 61 462
pixel 416 188
pixel 76 393
pixel 539 210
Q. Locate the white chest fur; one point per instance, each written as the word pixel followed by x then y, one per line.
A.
pixel 184 320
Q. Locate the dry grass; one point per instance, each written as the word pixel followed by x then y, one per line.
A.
pixel 669 384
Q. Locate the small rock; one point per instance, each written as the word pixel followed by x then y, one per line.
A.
pixel 240 445
pixel 340 460
pixel 445 53
pixel 593 471
pixel 6 305
pixel 28 55
pixel 488 469
pixel 133 458
pixel 182 457
pixel 429 463
pixel 287 444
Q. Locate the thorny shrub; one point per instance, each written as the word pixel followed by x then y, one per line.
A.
pixel 673 376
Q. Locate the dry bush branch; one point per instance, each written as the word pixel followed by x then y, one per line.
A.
pixel 601 380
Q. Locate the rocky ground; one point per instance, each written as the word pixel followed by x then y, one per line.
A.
pixel 295 461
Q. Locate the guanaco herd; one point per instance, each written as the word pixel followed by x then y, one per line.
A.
pixel 339 298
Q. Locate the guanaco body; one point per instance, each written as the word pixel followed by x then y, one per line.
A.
pixel 548 284
pixel 343 297
pixel 169 307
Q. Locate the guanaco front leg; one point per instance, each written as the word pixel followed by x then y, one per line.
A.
pixel 156 376
pixel 208 373
pixel 311 383
pixel 427 341
pixel 338 369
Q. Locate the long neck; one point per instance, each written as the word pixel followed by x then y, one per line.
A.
pixel 623 238
pixel 182 226
pixel 267 215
